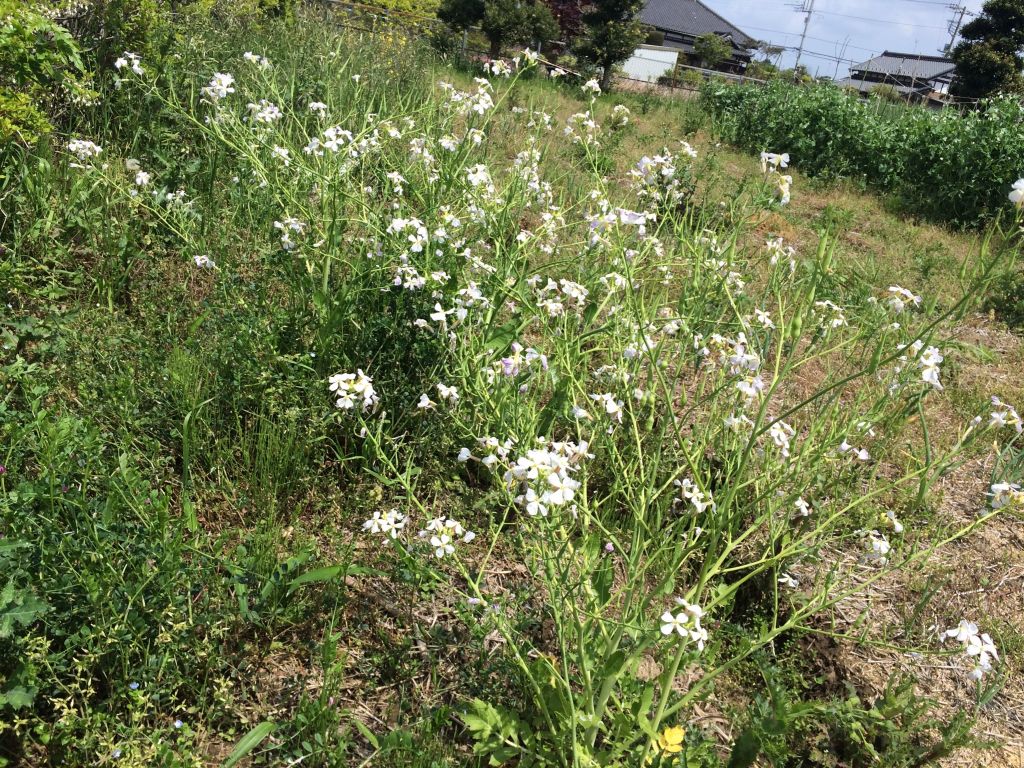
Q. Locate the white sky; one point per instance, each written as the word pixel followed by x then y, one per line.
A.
pixel 907 26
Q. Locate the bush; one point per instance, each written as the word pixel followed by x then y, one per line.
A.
pixel 948 166
pixel 38 61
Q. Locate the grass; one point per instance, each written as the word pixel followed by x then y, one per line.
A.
pixel 183 499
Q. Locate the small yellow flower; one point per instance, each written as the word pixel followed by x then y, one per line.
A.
pixel 670 741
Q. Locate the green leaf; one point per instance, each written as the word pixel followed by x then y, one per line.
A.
pixel 744 751
pixel 501 337
pixel 366 732
pixel 330 573
pixel 249 742
pixel 17 697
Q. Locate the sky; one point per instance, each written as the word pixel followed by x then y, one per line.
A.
pixel 864 27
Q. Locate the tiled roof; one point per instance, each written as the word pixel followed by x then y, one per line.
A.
pixel 691 17
pixel 906 65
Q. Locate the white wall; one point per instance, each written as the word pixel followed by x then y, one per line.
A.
pixel 649 62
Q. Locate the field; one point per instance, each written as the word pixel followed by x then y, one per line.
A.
pixel 362 409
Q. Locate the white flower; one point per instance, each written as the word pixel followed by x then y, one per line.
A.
pixel 782 188
pixel 287 228
pixel 317 107
pixel 1005 494
pixel 611 405
pixel 772 162
pixel 264 112
pixel 425 403
pixel 129 59
pixel 897 526
pixel 787 580
pixel 142 179
pixel 1017 195
pixel 255 58
pixel 963 632
pixel 928 362
pixel 764 319
pixel 444 533
pixel 442 544
pixel 221 85
pixel 478 175
pixel 283 155
pixel 878 547
pixel 1005 415
pixel 353 389
pixel 978 647
pixel 685 624
pixel 450 394
pixel 203 262
pixel 781 433
pixel 389 523
pixel 803 509
pixel 900 298
pixel 591 86
pixel 84 150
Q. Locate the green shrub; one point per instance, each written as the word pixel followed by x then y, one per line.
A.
pixel 39 61
pixel 949 166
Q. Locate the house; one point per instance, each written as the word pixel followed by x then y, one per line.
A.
pixel 916 77
pixel 681 22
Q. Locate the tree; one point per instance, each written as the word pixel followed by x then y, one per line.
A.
pixel 712 49
pixel 568 14
pixel 504 22
pixel 762 70
pixel 611 34
pixel 988 58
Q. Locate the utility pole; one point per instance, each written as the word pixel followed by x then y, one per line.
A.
pixel 807 7
pixel 841 57
pixel 954 25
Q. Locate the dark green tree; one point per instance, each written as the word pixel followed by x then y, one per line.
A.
pixel 504 22
pixel 611 32
pixel 988 57
pixel 712 49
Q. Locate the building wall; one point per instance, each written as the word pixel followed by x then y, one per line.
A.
pixel 649 62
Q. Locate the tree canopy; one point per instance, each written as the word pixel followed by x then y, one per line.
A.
pixel 712 49
pixel 503 21
pixel 988 58
pixel 612 31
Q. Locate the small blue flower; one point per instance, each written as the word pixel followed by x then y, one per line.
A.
pixel 178 723
pixel 115 754
pixel 133 686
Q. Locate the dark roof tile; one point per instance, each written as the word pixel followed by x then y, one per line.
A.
pixel 906 65
pixel 691 17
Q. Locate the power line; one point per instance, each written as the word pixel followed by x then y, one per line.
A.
pixel 809 37
pixel 881 21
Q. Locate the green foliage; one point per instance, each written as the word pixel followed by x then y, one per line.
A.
pixel 611 34
pixel 185 573
pixel 504 22
pixel 887 93
pixel 899 729
pixel 950 166
pixel 988 58
pixel 38 60
pixel 761 70
pixel 712 49
pixel 21 120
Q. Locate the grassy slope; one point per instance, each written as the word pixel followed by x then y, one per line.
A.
pixel 388 676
